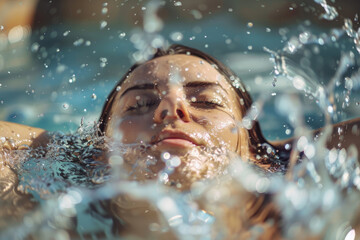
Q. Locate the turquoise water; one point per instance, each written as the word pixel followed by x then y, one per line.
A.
pixel 63 73
pixel 50 83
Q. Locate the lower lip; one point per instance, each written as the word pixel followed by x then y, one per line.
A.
pixel 176 142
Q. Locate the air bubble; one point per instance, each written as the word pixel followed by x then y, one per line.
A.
pixel 65 106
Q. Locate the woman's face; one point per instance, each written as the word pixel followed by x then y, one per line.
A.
pixel 174 104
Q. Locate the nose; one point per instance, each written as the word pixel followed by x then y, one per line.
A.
pixel 170 108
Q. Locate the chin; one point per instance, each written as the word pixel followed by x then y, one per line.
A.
pixel 192 164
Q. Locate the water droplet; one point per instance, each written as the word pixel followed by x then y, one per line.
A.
pixel 93 96
pixel 176 36
pixel 177 4
pixel 330 12
pixel 1 27
pixel 65 106
pixel 268 30
pixel 230 10
pixel 175 161
pixel 304 37
pixel 103 24
pixel 228 41
pixel 66 33
pixel 78 42
pixel 348 83
pixel 165 156
pixel 35 47
pixel 299 82
pixel 247 123
pixel 196 14
pixel 103 62
pixel 72 79
pixel 348 27
pixel 122 35
pixel 250 25
pixel 118 88
pixel 104 10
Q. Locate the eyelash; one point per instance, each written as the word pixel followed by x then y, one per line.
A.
pixel 149 103
pixel 140 104
pixel 208 104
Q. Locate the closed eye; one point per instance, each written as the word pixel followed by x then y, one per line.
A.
pixel 207 104
pixel 141 106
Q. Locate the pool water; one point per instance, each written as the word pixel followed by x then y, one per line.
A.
pixel 300 76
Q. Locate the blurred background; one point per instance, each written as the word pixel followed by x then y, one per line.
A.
pixel 59 59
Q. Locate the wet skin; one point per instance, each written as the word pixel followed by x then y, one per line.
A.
pixel 175 103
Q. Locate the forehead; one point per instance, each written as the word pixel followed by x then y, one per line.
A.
pixel 179 67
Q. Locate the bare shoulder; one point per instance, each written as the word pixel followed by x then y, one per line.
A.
pixel 21 134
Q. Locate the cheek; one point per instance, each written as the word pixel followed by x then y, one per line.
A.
pixel 222 129
pixel 135 129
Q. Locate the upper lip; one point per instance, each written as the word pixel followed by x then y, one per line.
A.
pixel 168 134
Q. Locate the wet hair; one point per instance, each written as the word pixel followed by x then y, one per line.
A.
pixel 257 143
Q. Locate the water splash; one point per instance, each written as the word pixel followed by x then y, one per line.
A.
pixel 330 11
pixel 355 35
pixel 148 39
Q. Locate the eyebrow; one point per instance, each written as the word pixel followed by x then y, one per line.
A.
pixel 144 86
pixel 195 84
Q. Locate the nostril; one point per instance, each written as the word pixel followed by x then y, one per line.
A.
pixel 180 113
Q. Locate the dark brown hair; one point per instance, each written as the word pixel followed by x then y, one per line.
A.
pixel 257 143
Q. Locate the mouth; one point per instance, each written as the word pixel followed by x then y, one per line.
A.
pixel 175 139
